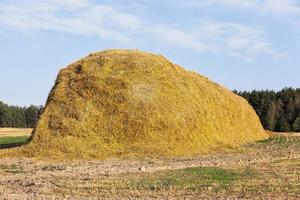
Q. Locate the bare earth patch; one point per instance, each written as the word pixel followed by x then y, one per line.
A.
pixel 268 169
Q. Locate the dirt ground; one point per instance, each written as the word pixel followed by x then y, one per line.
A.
pixel 271 170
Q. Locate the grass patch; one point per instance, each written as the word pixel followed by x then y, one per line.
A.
pixel 13 169
pixel 213 182
pixel 192 179
pixel 10 142
pixel 53 168
pixel 281 141
pixel 266 141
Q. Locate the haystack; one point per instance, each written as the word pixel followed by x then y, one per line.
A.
pixel 121 103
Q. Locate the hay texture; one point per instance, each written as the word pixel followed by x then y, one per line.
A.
pixel 120 103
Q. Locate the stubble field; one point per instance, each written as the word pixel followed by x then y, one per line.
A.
pixel 268 169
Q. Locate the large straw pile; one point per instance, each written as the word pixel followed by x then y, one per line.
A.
pixel 121 103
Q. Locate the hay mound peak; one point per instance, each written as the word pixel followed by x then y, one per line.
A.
pixel 131 103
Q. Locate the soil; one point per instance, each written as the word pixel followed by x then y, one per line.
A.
pixel 276 159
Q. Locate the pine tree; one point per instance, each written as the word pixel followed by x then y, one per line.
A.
pixel 2 114
pixel 283 125
pixel 32 114
pixel 277 110
pixel 271 117
pixel 296 125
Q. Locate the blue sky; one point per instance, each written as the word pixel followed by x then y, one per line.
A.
pixel 241 44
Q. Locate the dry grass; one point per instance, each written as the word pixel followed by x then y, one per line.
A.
pixel 201 180
pixel 296 134
pixel 208 182
pixel 275 178
pixel 121 103
pixel 10 132
pixel 268 169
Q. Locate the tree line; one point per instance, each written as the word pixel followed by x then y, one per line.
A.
pixel 278 111
pixel 19 117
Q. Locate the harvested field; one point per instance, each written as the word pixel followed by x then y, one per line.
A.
pixel 13 137
pixel 8 132
pixel 269 169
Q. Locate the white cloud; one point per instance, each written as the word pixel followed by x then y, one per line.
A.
pixel 175 36
pixel 89 18
pixel 70 3
pixel 275 7
pixel 234 39
pixel 245 4
pixel 81 17
pixel 285 7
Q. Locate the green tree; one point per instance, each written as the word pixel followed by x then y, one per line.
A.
pixel 296 125
pixel 277 111
pixel 283 125
pixel 18 117
pixel 271 117
pixel 2 114
pixel 32 114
